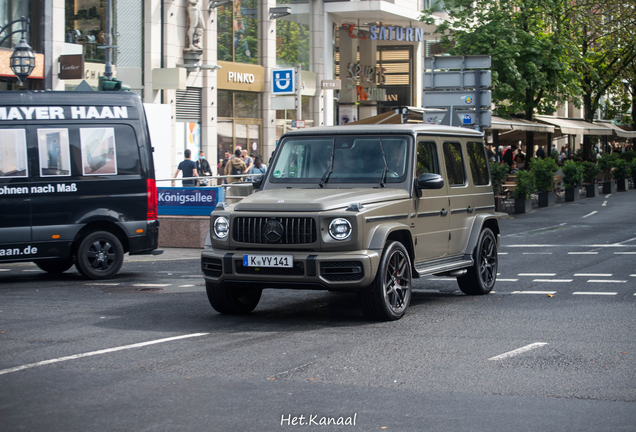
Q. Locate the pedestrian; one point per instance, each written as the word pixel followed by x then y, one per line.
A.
pixel 235 166
pixel 508 156
pixel 520 159
pixel 203 169
pixel 249 161
pixel 189 168
pixel 540 153
pixel 258 168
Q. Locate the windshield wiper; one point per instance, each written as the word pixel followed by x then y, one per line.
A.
pixel 325 177
pixel 386 166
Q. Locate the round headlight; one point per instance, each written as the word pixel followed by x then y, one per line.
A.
pixel 221 227
pixel 340 229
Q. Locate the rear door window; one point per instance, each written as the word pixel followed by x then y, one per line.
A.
pixel 454 164
pixel 477 160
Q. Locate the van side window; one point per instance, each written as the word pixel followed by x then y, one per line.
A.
pixel 427 160
pixel 98 151
pixel 54 152
pixel 13 153
pixel 477 160
pixel 454 164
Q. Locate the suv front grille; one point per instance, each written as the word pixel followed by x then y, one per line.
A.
pixel 294 230
pixel 297 270
pixel 212 267
pixel 341 271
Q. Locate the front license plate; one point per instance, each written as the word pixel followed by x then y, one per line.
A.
pixel 268 260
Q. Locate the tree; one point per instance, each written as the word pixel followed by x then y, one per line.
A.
pixel 606 40
pixel 531 52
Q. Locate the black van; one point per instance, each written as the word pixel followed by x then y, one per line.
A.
pixel 77 182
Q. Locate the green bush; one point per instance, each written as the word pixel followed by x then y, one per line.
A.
pixel 498 174
pixel 621 169
pixel 632 167
pixel 544 170
pixel 628 156
pixel 554 154
pixel 572 174
pixel 590 171
pixel 525 184
pixel 605 164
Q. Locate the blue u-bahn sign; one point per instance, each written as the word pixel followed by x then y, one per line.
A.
pixel 283 81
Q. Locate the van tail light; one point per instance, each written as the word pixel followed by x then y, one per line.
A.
pixel 151 194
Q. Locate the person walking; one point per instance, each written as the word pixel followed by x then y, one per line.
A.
pixel 203 169
pixel 540 153
pixel 258 168
pixel 249 161
pixel 235 166
pixel 189 168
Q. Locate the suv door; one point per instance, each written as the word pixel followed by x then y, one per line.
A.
pixel 432 220
pixel 15 194
pixel 462 210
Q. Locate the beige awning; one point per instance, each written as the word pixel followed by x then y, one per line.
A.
pixel 618 131
pixel 571 126
pixel 499 123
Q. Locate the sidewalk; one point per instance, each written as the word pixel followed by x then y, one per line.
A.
pixel 167 255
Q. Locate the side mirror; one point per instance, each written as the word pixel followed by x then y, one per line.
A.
pixel 430 181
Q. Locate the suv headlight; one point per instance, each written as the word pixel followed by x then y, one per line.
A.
pixel 221 227
pixel 340 229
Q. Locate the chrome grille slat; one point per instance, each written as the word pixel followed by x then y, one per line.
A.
pixel 296 230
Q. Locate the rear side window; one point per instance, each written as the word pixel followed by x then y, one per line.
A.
pixel 477 160
pixel 454 164
pixel 13 153
pixel 427 160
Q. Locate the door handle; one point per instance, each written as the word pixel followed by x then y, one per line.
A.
pixel 444 212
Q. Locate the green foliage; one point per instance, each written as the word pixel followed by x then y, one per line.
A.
pixel 525 184
pixel 292 44
pixel 498 174
pixel 628 155
pixel 590 171
pixel 554 154
pixel 606 164
pixel 622 169
pixel 544 170
pixel 572 174
pixel 578 154
pixel 632 168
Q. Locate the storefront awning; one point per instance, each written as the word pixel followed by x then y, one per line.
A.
pixel 501 124
pixel 573 126
pixel 618 131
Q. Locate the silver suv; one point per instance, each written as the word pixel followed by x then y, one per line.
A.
pixel 359 208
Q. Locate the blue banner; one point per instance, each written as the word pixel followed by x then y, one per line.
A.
pixel 191 201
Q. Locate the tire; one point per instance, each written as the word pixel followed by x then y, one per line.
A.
pixel 232 300
pixel 99 255
pixel 481 277
pixel 387 298
pixel 55 266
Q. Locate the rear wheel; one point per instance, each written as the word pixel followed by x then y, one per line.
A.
pixel 387 298
pixel 100 255
pixel 55 266
pixel 480 278
pixel 232 300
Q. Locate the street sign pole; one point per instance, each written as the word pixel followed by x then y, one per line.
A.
pixel 299 87
pixel 477 99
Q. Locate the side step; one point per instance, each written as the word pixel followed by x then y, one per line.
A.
pixel 434 268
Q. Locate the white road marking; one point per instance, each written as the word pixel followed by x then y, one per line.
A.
pixel 589 214
pixel 5 269
pixel 604 204
pixel 593 274
pixel 607 281
pixel 534 292
pixel 593 293
pixel 103 283
pixel 518 351
pixel 151 285
pixel 38 270
pixel 536 274
pixel 507 280
pixel 93 353
pixel 185 286
pixel 617 245
pixel 634 275
pixel 502 253
pixel 531 246
pixel 582 253
pixel 624 253
pixel 442 279
pixel 607 196
pixel 537 253
pixel 552 280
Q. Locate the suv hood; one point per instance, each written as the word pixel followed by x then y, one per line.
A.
pixel 315 200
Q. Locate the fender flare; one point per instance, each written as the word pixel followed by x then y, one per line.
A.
pixel 382 232
pixel 478 224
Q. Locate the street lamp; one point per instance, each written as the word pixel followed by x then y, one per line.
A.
pixel 22 60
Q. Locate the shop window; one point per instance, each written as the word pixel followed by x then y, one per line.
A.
pixel 86 26
pixel 11 10
pixel 292 44
pixel 237 26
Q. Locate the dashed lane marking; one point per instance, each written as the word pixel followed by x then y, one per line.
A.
pixel 552 280
pixel 151 285
pixel 582 253
pixel 104 351
pixel 536 274
pixel 604 204
pixel 593 293
pixel 607 196
pixel 624 253
pixel 589 214
pixel 534 292
pixel 507 280
pixel 103 283
pixel 606 281
pixel 593 274
pixel 5 269
pixel 518 351
pixel 537 253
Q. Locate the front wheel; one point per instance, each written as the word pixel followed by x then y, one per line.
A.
pixel 387 298
pixel 232 300
pixel 480 278
pixel 99 255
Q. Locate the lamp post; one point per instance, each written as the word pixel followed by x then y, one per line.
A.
pixel 22 60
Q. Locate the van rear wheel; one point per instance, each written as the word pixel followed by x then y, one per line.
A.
pixel 55 266
pixel 232 300
pixel 100 255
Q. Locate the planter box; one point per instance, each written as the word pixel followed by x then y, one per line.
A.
pixel 499 203
pixel 547 199
pixel 591 190
pixel 622 185
pixel 523 205
pixel 572 194
pixel 609 187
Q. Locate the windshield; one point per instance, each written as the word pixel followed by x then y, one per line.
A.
pixel 342 159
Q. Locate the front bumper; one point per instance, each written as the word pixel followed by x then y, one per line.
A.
pixel 343 271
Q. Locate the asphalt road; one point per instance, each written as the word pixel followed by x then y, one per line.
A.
pixel 145 351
